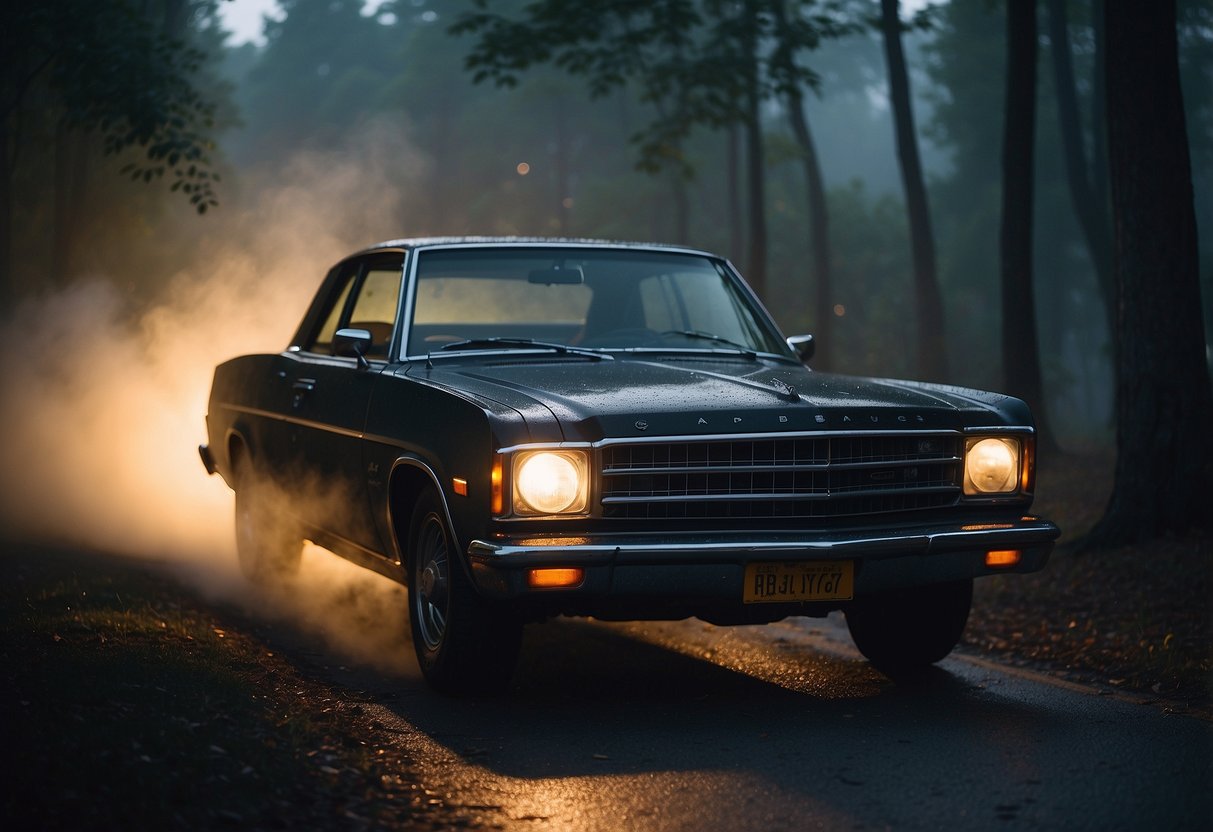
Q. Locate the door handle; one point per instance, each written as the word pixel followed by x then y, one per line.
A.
pixel 302 387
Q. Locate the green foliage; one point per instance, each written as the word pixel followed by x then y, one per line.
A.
pixel 695 63
pixel 105 68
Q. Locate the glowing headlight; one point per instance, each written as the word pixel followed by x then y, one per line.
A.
pixel 991 465
pixel 550 482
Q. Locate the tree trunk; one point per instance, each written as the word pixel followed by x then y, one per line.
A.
pixel 819 222
pixel 564 200
pixel 736 234
pixel 932 347
pixel 1092 214
pixel 1164 466
pixel 682 208
pixel 819 234
pixel 755 173
pixel 8 291
pixel 1020 351
pixel 756 271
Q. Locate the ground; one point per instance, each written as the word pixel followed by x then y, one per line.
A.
pixel 1133 617
pixel 129 701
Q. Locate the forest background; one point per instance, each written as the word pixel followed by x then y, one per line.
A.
pixel 384 90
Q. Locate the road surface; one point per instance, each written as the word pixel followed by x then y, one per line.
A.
pixel 686 726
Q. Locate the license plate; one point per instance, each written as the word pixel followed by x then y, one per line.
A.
pixel 821 580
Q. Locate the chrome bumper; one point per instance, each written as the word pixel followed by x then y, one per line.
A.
pixel 710 567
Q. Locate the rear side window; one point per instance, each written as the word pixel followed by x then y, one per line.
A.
pixel 367 297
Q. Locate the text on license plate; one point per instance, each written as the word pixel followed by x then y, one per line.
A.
pixel 822 580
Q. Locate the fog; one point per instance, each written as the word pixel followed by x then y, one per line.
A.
pixel 105 393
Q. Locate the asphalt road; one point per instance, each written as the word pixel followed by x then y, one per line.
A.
pixel 685 726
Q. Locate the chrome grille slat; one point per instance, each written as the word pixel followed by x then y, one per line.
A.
pixel 781 477
pixel 843 466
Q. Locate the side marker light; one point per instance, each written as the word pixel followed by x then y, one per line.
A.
pixel 1003 557
pixel 554 577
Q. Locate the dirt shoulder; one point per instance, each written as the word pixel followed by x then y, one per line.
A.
pixel 1132 618
pixel 128 704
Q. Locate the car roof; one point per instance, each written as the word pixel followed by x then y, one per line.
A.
pixel 524 242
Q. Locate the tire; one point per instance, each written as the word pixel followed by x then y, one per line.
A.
pixel 268 546
pixel 465 645
pixel 909 630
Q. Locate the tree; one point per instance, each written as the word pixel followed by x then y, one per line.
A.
pixel 792 33
pixel 1020 350
pixel 697 64
pixel 932 346
pixel 610 43
pixel 1164 465
pixel 109 75
pixel 1086 181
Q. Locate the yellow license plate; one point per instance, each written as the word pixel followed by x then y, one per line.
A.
pixel 819 580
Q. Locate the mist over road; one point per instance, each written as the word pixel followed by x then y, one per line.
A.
pixel 681 725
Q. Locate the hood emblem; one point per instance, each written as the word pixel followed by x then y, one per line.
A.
pixel 786 390
pixel 641 424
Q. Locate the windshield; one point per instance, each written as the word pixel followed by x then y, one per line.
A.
pixel 594 299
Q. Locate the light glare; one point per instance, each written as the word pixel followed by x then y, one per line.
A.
pixel 992 466
pixel 549 483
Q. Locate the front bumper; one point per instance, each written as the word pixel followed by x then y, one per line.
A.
pixel 704 569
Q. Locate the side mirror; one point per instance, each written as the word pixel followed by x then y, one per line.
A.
pixel 353 342
pixel 804 346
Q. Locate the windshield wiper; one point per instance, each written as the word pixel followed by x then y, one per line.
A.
pixel 707 336
pixel 492 343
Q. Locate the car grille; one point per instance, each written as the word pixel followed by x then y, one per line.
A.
pixel 802 476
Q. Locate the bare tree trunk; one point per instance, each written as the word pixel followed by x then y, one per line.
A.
pixel 756 272
pixel 932 346
pixel 8 291
pixel 1099 115
pixel 1092 214
pixel 682 208
pixel 736 234
pixel 1164 465
pixel 819 234
pixel 819 220
pixel 563 198
pixel 1020 350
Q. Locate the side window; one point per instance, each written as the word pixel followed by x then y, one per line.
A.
pixel 366 297
pixel 323 342
pixel 376 305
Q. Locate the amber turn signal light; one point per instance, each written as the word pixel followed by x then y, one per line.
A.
pixel 1002 557
pixel 554 577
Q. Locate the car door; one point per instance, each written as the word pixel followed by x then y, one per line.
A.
pixel 330 395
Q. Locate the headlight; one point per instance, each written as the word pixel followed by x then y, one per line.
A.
pixel 991 465
pixel 550 482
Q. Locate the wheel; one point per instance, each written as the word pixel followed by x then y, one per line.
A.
pixel 465 645
pixel 268 546
pixel 910 629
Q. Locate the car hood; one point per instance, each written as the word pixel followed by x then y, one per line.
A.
pixel 665 396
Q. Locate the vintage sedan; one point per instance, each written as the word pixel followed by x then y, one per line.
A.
pixel 518 429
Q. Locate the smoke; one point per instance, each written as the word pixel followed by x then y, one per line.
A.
pixel 102 398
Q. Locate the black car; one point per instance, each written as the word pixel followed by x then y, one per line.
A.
pixel 518 429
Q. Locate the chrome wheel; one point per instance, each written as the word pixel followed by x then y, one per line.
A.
pixel 465 644
pixel 432 577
